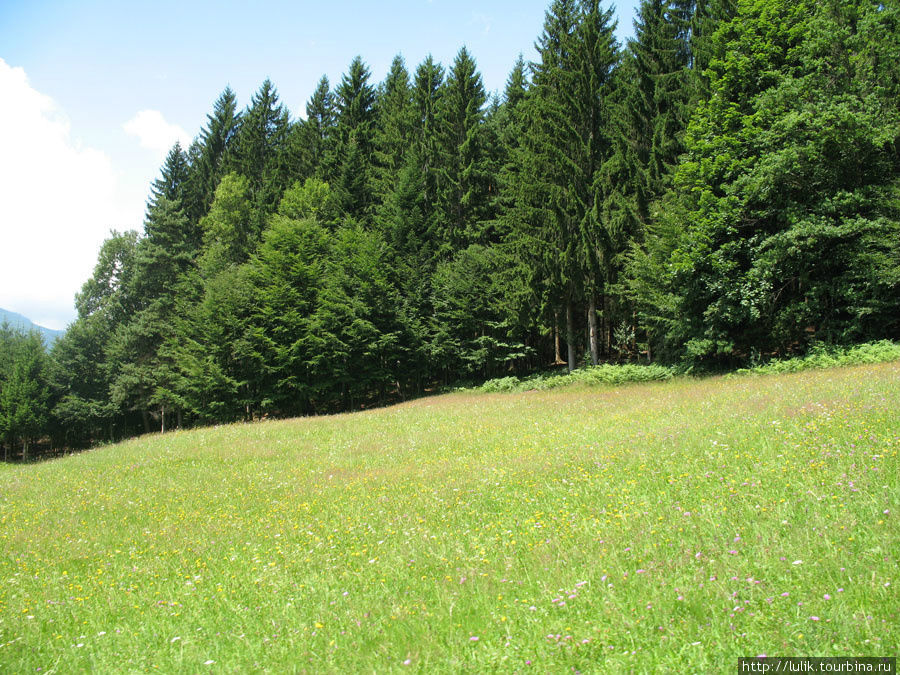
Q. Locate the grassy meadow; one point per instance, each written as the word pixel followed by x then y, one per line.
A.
pixel 666 526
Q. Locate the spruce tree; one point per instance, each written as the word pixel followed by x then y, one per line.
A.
pixel 354 130
pixel 215 143
pixel 172 180
pixel 560 194
pixel 259 150
pixel 318 129
pixel 24 393
pixel 394 121
pixel 463 197
pixel 427 96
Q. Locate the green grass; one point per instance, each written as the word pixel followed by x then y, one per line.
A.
pixel 669 526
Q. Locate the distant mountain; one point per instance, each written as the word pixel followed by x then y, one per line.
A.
pixel 24 323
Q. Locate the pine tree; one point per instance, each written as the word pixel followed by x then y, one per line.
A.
pixel 215 143
pixel 463 198
pixel 173 177
pixel 318 129
pixel 561 196
pixel 259 150
pixel 394 122
pixel 354 129
pixel 427 96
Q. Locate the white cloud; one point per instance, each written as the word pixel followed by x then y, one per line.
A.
pixel 482 20
pixel 155 134
pixel 58 201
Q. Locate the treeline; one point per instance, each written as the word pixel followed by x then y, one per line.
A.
pixel 723 187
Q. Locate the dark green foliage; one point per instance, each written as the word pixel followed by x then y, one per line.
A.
pixel 475 329
pixel 354 101
pixel 216 141
pixel 791 224
pixel 356 332
pixel 24 392
pixel 317 130
pixel 285 278
pixel 142 370
pixel 427 100
pixel 560 196
pixel 79 381
pixel 464 180
pixel 171 183
pixel 261 151
pixel 394 127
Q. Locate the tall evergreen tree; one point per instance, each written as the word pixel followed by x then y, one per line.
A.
pixel 354 130
pixel 260 148
pixel 172 180
pixel 463 198
pixel 24 393
pixel 215 142
pixel 144 378
pixel 427 95
pixel 560 196
pixel 394 123
pixel 318 129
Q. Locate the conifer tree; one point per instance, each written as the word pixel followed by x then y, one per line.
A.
pixel 427 96
pixel 260 149
pixel 215 143
pixel 560 196
pixel 463 198
pixel 318 128
pixel 24 394
pixel 394 120
pixel 354 129
pixel 172 180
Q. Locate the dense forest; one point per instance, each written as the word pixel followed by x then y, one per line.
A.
pixel 724 187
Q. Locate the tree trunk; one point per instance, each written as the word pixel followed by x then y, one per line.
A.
pixel 570 334
pixel 162 419
pixel 25 449
pixel 556 341
pixel 592 331
pixel 180 419
pixel 146 416
pixel 607 324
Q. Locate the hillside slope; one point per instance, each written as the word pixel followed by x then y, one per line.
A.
pixel 665 526
pixel 24 323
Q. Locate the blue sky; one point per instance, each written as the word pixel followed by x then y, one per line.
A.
pixel 98 90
